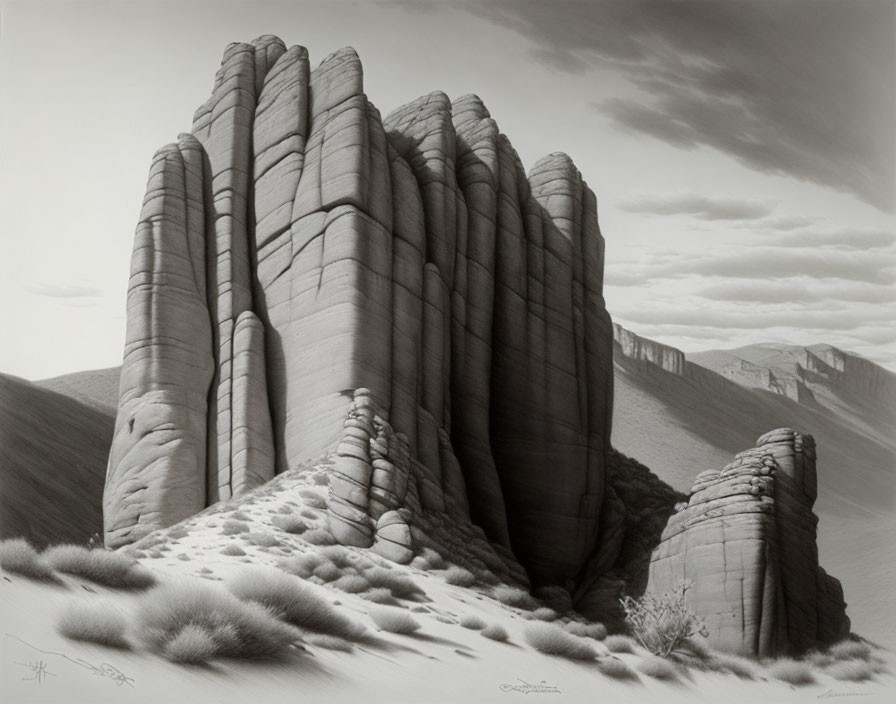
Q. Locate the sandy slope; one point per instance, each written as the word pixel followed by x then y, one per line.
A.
pixel 97 388
pixel 53 452
pixel 442 662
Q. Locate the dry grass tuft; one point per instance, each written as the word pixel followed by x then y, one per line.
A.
pixel 494 632
pixel 658 668
pixel 474 623
pixel 233 550
pixel 851 670
pixel 616 668
pixel 459 577
pixel 290 524
pixel 598 631
pixel 194 622
pixel 619 643
pixel 111 569
pixel 322 640
pixel 262 538
pixel 352 584
pixel 399 585
pixel 287 598
pixel 233 527
pixel 553 640
pixel 301 565
pixel 739 666
pixel 394 620
pixel 93 622
pixel 380 595
pixel 319 536
pixel 19 557
pixel 791 671
pixel 850 650
pixel 544 614
pixel 514 596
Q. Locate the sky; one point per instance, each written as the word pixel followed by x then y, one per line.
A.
pixel 742 152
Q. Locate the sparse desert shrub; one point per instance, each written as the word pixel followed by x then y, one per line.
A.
pixel 658 668
pixel 233 550
pixel 697 648
pixel 177 532
pixel 321 479
pixel 18 556
pixel 192 644
pixel 319 536
pixel 205 570
pixel 598 631
pixel 549 638
pixel 614 667
pixel 394 620
pixel 514 596
pixel 850 650
pixel 544 614
pixel 494 631
pixel 445 619
pixel 791 671
pixel 105 567
pixel 851 670
pixel 184 557
pixel 232 527
pixel 434 559
pixel 262 538
pixel 662 622
pixel 301 565
pixel 290 524
pixel 239 516
pixel 619 643
pixel 474 623
pixel 352 584
pixel 460 577
pixel 398 584
pixel 338 555
pixel 93 622
pixel 287 598
pixel 170 618
pixel 380 595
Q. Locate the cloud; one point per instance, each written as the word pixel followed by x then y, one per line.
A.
pixel 844 239
pixel 703 207
pixel 64 290
pixel 795 291
pixel 800 88
pixel 781 223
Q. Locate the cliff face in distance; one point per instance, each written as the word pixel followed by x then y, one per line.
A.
pixel 297 248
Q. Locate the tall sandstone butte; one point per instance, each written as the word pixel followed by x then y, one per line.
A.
pixel 311 278
pixel 746 540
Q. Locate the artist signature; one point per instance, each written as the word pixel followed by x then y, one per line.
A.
pixel 526 688
pixel 39 671
pixel 830 694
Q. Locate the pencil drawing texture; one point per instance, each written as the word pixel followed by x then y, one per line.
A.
pixel 309 279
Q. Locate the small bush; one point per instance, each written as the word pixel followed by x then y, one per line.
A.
pixel 445 619
pixel 791 671
pixel 553 640
pixel 287 598
pixel 338 555
pixel 544 614
pixel 19 557
pixel 239 516
pixel 301 565
pixel 327 571
pixel 380 595
pixel 394 620
pixel 232 527
pixel 514 596
pixel 598 631
pixel 170 618
pixel 191 645
pixel 614 667
pixel 313 499
pixel 619 644
pixel 850 650
pixel 262 538
pixel 741 667
pixel 177 532
pixel 494 631
pixel 662 622
pixel 183 557
pixel 352 584
pixel 290 524
pixel 658 668
pixel 233 550
pixel 319 536
pixel 93 622
pixel 851 670
pixel 474 623
pixel 433 559
pixel 460 577
pixel 399 585
pixel 105 567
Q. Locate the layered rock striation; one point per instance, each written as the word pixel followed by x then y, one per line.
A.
pixel 746 541
pixel 309 277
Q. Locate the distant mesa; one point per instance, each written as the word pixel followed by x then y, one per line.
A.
pixel 398 296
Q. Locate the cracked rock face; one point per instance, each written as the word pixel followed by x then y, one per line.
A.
pixel 746 540
pixel 309 277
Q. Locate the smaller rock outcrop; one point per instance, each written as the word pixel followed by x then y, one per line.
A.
pixel 746 540
pixel 643 349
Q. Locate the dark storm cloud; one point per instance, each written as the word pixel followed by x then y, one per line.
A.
pixel 801 88
pixel 703 207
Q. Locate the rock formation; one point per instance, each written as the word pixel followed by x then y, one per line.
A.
pixel 645 350
pixel 746 540
pixel 310 278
